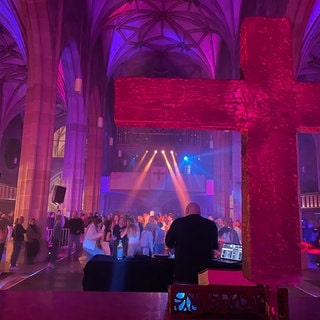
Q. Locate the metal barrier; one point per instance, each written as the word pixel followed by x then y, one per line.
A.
pixel 64 239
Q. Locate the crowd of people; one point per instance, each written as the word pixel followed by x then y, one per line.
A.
pixel 92 234
pixel 31 236
pixel 142 235
pixel 147 234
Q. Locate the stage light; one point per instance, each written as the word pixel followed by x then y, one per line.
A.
pixel 171 151
pixel 155 151
pixel 185 158
pixel 162 151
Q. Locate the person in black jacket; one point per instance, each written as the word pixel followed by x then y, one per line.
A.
pixel 18 239
pixel 193 238
pixel 32 241
pixel 76 226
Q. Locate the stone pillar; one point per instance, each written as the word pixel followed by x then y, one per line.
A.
pixel 74 155
pixel 236 176
pixel 94 154
pixel 222 172
pixel 37 139
pixel 316 138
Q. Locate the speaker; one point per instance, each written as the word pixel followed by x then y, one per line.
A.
pixel 58 194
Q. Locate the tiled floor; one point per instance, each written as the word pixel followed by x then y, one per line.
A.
pixel 67 276
pixel 41 281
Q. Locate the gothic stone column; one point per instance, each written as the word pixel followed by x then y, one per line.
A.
pixel 94 155
pixel 43 34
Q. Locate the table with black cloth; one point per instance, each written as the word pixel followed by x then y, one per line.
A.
pixel 133 274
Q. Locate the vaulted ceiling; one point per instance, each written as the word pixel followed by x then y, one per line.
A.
pixel 150 38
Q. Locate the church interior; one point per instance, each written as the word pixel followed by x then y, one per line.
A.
pixel 140 106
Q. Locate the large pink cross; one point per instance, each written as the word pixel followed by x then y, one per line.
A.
pixel 268 108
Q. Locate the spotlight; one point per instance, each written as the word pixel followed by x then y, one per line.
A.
pixel 155 151
pixel 185 158
pixel 171 151
pixel 162 151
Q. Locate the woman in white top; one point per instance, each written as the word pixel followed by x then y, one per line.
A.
pixel 133 233
pixel 92 238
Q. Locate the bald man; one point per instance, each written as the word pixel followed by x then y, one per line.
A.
pixel 193 239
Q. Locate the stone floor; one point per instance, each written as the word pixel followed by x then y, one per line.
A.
pixel 37 287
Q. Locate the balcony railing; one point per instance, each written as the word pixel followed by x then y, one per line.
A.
pixel 310 200
pixel 7 192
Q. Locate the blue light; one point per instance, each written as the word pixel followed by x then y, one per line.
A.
pixel 185 158
pixel 183 303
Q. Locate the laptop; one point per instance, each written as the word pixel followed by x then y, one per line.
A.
pixel 230 253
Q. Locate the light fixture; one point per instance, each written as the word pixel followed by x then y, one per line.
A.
pixel 211 143
pixel 100 122
pixel 78 80
pixel 78 85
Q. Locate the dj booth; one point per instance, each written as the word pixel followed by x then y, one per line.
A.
pixel 136 274
pixel 133 274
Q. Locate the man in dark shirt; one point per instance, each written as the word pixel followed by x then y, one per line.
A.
pixel 50 220
pixel 76 226
pixel 193 239
pixel 120 234
pixel 18 239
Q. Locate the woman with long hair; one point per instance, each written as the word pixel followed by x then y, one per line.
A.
pixel 133 234
pixel 105 242
pixel 92 238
